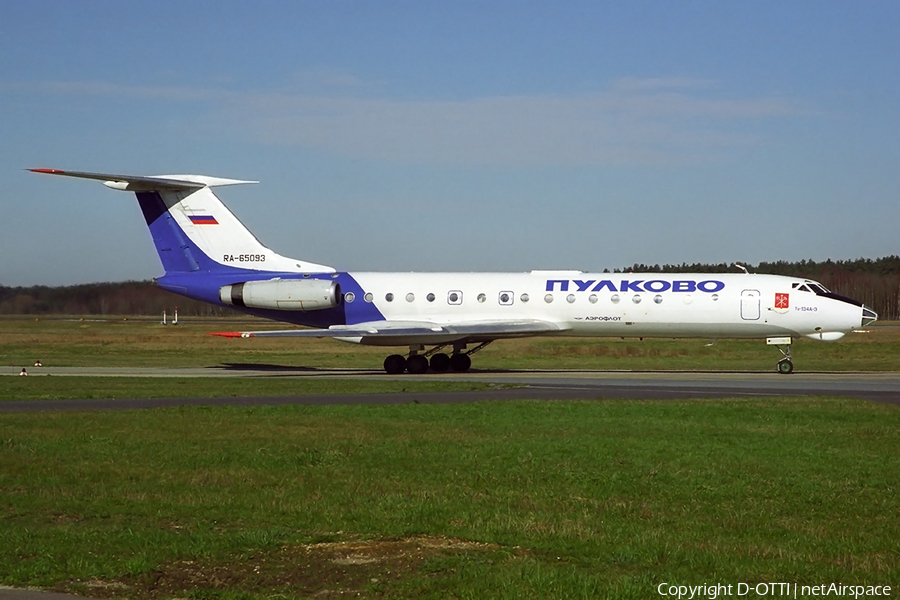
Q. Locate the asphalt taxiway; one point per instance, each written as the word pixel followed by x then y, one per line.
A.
pixel 511 385
pixel 8 593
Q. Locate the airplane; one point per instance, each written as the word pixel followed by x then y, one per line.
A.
pixel 445 318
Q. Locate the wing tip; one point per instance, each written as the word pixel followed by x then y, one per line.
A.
pixel 231 334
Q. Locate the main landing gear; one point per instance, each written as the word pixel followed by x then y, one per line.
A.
pixel 785 366
pixel 459 361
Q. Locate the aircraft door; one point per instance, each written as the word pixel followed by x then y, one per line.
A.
pixel 750 305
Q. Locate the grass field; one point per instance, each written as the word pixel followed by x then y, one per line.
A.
pixel 520 499
pixel 70 388
pixel 118 342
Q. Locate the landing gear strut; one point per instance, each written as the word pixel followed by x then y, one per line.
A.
pixel 785 366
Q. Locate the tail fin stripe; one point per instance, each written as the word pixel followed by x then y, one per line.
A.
pixel 151 205
pixel 173 249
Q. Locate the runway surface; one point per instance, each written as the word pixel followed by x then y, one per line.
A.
pixel 532 384
pixel 8 593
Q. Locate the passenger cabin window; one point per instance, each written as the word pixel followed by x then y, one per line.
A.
pixel 454 297
pixel 505 298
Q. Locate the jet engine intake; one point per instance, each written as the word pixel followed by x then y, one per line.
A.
pixel 277 294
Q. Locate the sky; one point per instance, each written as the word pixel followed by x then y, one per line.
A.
pixel 455 136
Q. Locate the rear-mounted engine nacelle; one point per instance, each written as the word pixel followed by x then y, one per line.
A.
pixel 277 294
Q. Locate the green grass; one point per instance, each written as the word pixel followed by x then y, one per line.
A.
pixel 71 388
pixel 118 342
pixel 133 343
pixel 500 500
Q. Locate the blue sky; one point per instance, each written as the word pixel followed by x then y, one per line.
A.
pixel 471 136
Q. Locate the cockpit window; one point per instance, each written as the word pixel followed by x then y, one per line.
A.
pixel 812 287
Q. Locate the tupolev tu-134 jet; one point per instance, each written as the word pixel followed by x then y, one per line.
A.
pixel 444 318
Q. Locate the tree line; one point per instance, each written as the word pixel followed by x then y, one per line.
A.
pixel 874 282
pixel 128 298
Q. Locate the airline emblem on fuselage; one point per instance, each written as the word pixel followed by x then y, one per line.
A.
pixel 782 300
pixel 635 285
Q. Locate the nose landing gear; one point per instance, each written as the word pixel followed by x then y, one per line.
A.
pixel 785 366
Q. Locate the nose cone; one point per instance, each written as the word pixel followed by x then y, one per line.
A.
pixel 868 315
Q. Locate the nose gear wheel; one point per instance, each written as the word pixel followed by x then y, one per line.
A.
pixel 785 366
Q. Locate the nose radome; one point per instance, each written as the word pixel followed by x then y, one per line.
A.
pixel 868 315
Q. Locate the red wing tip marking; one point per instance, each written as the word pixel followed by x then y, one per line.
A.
pixel 51 171
pixel 231 334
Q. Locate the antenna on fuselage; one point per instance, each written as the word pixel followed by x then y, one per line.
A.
pixel 742 268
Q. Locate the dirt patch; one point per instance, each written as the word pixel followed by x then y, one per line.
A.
pixel 325 570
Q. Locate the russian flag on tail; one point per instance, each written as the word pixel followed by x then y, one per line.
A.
pixel 203 220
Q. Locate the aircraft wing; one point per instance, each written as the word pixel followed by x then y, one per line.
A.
pixel 415 332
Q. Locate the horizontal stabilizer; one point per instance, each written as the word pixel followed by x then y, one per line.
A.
pixel 147 183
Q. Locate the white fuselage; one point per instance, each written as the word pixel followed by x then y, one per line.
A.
pixel 615 304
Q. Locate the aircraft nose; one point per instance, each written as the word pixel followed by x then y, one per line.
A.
pixel 868 315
